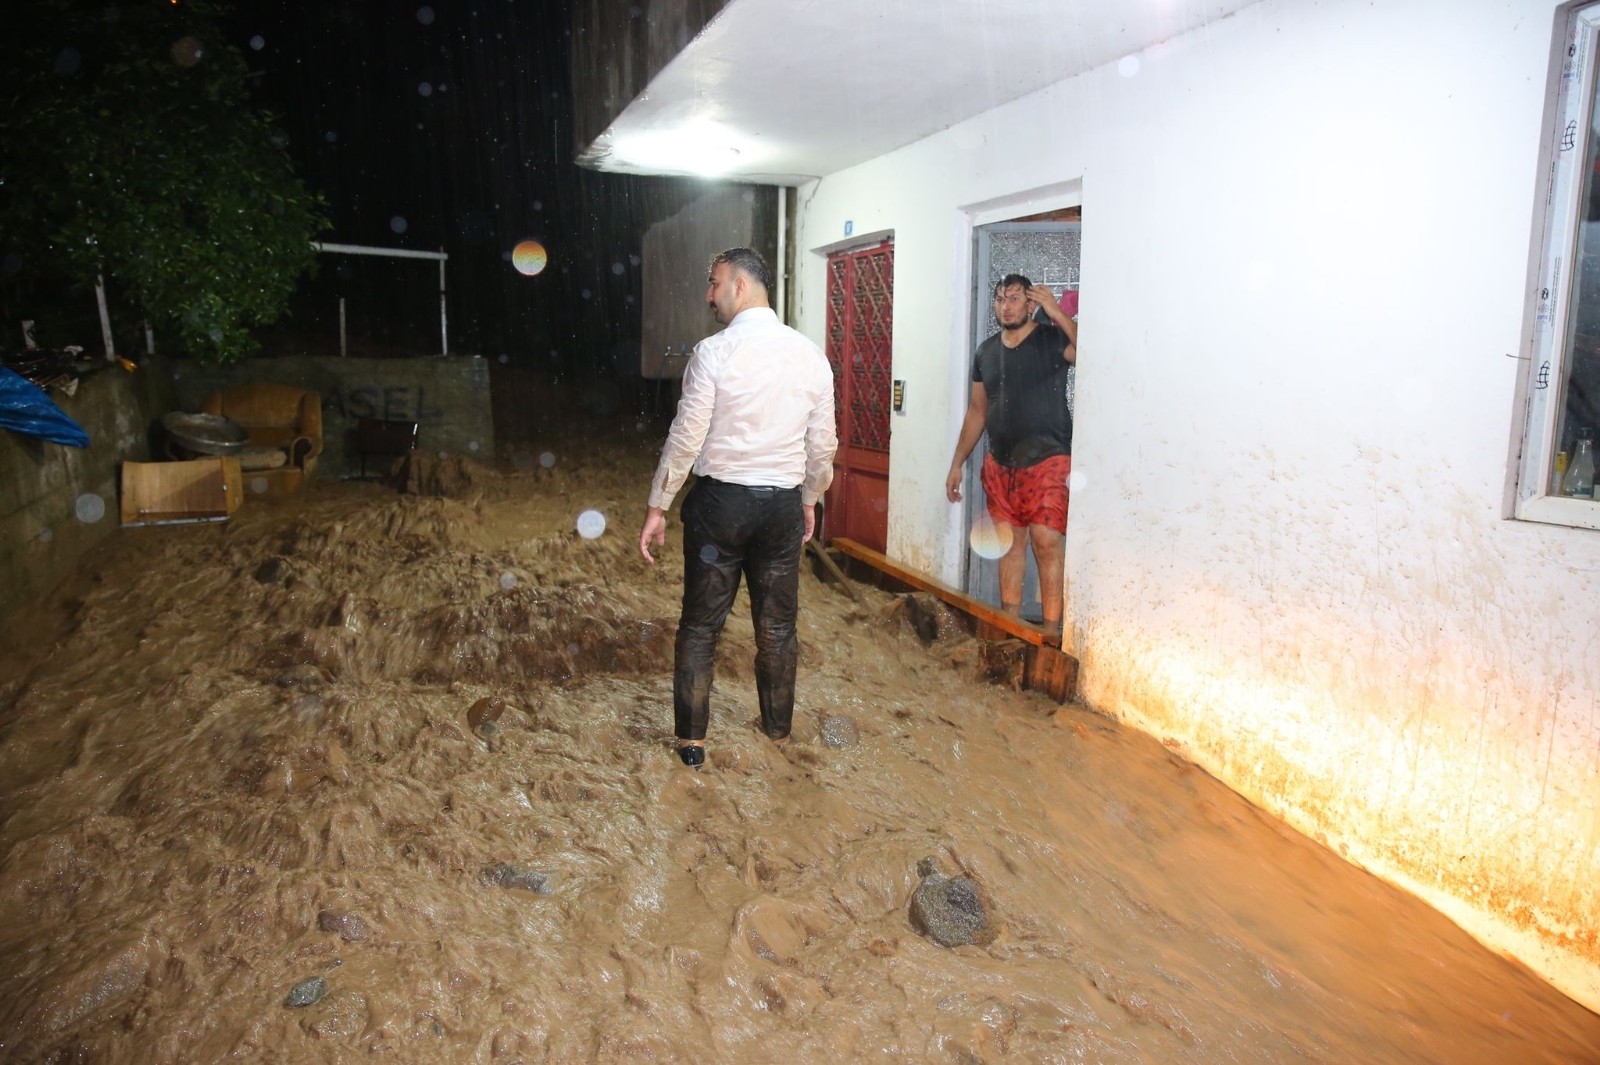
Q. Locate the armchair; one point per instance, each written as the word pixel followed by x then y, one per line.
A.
pixel 284 424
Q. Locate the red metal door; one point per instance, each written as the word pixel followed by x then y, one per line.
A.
pixel 860 343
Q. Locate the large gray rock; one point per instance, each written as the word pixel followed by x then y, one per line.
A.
pixel 949 911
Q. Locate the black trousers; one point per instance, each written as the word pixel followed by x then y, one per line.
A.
pixel 729 530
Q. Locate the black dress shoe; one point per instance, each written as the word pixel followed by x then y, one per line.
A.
pixel 693 757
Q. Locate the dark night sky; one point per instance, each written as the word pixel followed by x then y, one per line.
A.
pixel 443 124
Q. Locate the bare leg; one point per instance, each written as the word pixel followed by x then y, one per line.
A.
pixel 1013 567
pixel 1049 550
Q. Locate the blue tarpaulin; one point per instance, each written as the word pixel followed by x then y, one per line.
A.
pixel 24 408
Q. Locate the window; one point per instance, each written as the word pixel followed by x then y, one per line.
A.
pixel 1555 477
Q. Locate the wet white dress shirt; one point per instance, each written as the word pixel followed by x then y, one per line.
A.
pixel 757 409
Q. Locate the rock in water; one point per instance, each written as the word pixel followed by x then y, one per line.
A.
pixel 507 875
pixel 349 926
pixel 271 571
pixel 306 992
pixel 930 618
pixel 840 731
pixel 949 911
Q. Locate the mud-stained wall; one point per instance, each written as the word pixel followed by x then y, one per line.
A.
pixel 618 46
pixel 1305 248
pixel 676 251
pixel 57 502
pixel 448 398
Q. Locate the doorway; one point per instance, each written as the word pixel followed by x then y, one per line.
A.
pixel 859 346
pixel 1045 249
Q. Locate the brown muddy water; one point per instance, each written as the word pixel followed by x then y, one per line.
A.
pixel 419 747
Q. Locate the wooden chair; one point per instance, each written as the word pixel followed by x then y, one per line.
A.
pixel 390 439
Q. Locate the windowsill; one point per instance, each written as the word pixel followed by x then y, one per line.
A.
pixel 1556 510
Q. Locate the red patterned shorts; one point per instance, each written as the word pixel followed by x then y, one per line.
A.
pixel 1028 495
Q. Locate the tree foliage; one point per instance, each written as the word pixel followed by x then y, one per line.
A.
pixel 128 147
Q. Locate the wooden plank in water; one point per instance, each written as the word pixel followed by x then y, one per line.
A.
pixel 832 567
pixel 1046 667
pixel 982 612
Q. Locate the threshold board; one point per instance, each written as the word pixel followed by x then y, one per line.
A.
pixel 1047 667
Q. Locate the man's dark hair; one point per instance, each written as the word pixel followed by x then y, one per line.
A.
pixel 1012 279
pixel 749 262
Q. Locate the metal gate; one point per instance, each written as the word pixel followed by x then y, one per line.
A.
pixel 860 347
pixel 1047 253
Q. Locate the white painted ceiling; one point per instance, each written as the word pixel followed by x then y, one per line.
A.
pixel 781 91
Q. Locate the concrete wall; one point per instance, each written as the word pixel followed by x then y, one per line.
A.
pixel 618 46
pixel 449 397
pixel 676 251
pixel 1305 264
pixel 44 528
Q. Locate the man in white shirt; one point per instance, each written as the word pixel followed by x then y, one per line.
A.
pixel 756 427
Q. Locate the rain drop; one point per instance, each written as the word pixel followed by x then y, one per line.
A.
pixel 708 555
pixel 424 89
pixel 425 15
pixel 989 540
pixel 591 523
pixel 538 205
pixel 504 358
pixel 330 136
pixel 547 460
pixel 1128 66
pixel 585 293
pixel 472 445
pixel 89 508
pixel 46 535
pixel 258 485
pixel 187 51
pixel 617 268
pixel 257 43
pixel 529 257
pixel 397 224
pixel 508 581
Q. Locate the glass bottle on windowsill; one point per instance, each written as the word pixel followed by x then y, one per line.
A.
pixel 1579 481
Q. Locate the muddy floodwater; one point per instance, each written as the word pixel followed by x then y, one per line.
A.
pixel 405 758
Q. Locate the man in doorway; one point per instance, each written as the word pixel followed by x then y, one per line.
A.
pixel 1019 394
pixel 755 424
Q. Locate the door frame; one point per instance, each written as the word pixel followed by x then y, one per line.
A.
pixel 875 465
pixel 975 576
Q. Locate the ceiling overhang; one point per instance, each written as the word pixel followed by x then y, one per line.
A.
pixel 783 91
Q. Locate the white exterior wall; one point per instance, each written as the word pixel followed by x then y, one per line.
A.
pixel 1306 235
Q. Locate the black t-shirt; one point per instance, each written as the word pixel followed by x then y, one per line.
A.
pixel 1028 419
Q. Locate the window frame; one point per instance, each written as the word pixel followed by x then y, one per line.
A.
pixel 1575 63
